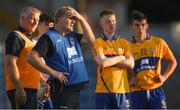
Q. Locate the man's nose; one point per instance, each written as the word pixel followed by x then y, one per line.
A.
pixel 73 21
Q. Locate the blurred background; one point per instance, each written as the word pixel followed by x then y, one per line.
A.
pixel 164 19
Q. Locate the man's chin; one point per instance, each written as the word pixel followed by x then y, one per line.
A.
pixel 112 31
pixel 31 31
pixel 70 30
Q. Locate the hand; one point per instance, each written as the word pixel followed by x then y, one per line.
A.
pixel 61 77
pixel 159 78
pixel 44 84
pixel 46 88
pixel 133 82
pixel 20 96
pixel 77 15
pixel 74 13
pixel 121 58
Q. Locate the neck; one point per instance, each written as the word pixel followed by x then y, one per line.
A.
pixel 41 33
pixel 24 27
pixel 60 30
pixel 141 38
pixel 109 35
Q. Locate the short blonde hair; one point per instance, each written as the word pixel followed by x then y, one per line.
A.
pixel 61 11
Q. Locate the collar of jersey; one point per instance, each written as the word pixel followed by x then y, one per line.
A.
pixel 28 35
pixel 104 37
pixel 135 41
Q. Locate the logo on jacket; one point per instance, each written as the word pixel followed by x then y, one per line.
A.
pixel 71 51
pixel 120 51
pixel 152 51
pixel 71 41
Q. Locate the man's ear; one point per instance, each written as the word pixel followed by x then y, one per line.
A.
pixel 100 23
pixel 51 24
pixel 130 26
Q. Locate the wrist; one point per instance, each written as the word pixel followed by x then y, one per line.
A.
pixel 122 57
pixel 54 74
pixel 81 19
pixel 18 85
pixel 165 77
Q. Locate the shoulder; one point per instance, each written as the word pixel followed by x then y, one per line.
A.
pixel 122 40
pixel 74 34
pixel 98 42
pixel 98 39
pixel 45 38
pixel 51 35
pixel 51 31
pixel 13 37
pixel 157 39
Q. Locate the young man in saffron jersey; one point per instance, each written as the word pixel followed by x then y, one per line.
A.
pixel 60 48
pixel 148 51
pixel 114 58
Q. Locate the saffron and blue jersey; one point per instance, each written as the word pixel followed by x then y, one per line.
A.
pixel 148 56
pixel 67 57
pixel 115 78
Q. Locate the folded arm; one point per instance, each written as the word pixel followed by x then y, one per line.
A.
pixel 107 62
pixel 127 63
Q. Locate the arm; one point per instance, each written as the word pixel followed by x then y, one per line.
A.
pixel 13 46
pixel 169 70
pixel 36 61
pixel 15 78
pixel 107 62
pixel 85 26
pixel 172 63
pixel 43 80
pixel 127 63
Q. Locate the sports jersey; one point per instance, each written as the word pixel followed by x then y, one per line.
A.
pixel 114 77
pixel 148 56
pixel 29 75
pixel 67 56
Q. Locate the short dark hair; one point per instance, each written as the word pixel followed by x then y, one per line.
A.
pixel 45 18
pixel 107 12
pixel 137 15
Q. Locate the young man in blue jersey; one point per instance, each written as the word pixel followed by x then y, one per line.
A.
pixel 148 51
pixel 60 48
